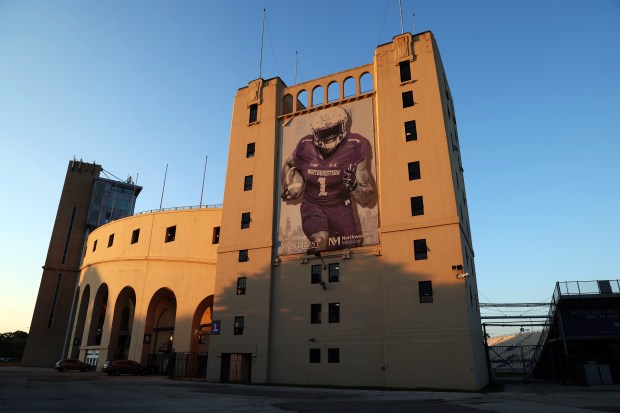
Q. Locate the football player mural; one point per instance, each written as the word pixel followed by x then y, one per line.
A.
pixel 328 188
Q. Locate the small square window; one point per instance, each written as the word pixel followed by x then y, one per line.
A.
pixel 407 99
pixel 239 321
pixel 334 272
pixel 420 249
pixel 241 283
pixel 333 355
pixel 316 275
pixel 250 150
pixel 426 291
pixel 417 205
pixel 95 246
pixel 253 113
pixel 247 183
pixel 315 355
pixel 243 256
pixel 405 71
pixel 245 220
pixel 315 313
pixel 171 233
pixel 110 240
pixel 135 236
pixel 216 235
pixel 414 170
pixel 334 312
pixel 411 132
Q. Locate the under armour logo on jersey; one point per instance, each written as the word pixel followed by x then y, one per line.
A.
pixel 333 165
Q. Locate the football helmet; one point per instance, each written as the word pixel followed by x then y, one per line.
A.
pixel 329 128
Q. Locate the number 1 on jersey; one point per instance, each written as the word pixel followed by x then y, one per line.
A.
pixel 322 191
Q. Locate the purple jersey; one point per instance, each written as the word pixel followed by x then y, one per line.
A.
pixel 323 177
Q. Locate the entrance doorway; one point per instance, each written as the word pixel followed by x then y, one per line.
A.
pixel 236 367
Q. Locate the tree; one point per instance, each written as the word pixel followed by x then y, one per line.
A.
pixel 12 344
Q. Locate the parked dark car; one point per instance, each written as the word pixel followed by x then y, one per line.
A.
pixel 71 364
pixel 118 367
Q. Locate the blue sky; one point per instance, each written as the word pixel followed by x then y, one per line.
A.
pixel 135 85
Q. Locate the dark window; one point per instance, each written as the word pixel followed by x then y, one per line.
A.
pixel 238 326
pixel 171 233
pixel 420 250
pixel 245 220
pixel 216 235
pixel 405 71
pixel 411 132
pixel 247 183
pixel 315 313
pixel 333 355
pixel 315 355
pixel 316 275
pixel 334 312
pixel 243 255
pixel 407 99
pixel 334 272
pixel 95 246
pixel 417 206
pixel 135 236
pixel 253 112
pixel 414 170
pixel 110 240
pixel 426 291
pixel 241 282
pixel 250 150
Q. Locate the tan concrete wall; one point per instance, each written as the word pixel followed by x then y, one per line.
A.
pixel 185 266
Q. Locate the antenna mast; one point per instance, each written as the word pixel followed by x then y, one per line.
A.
pixel 400 6
pixel 163 187
pixel 262 37
pixel 203 180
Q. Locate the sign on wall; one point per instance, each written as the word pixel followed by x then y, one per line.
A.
pixel 329 191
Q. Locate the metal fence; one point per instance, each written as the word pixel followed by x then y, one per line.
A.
pixel 512 363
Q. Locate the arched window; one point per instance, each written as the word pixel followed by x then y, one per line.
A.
pixel 333 92
pixel 366 83
pixel 302 100
pixel 349 87
pixel 287 104
pixel 317 96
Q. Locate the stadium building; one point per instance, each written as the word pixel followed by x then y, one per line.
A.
pixel 342 254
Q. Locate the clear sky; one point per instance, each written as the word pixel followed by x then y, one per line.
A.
pixel 135 85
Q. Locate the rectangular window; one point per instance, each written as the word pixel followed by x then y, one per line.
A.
pixel 426 291
pixel 333 355
pixel 250 150
pixel 241 282
pixel 315 355
pixel 110 240
pixel 245 220
pixel 334 312
pixel 95 246
pixel 171 233
pixel 216 235
pixel 405 71
pixel 411 132
pixel 135 236
pixel 414 170
pixel 247 183
pixel 239 326
pixel 417 205
pixel 316 275
pixel 334 272
pixel 407 99
pixel 253 113
pixel 243 256
pixel 315 313
pixel 420 249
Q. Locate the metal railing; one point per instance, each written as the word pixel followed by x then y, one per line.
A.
pixel 150 211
